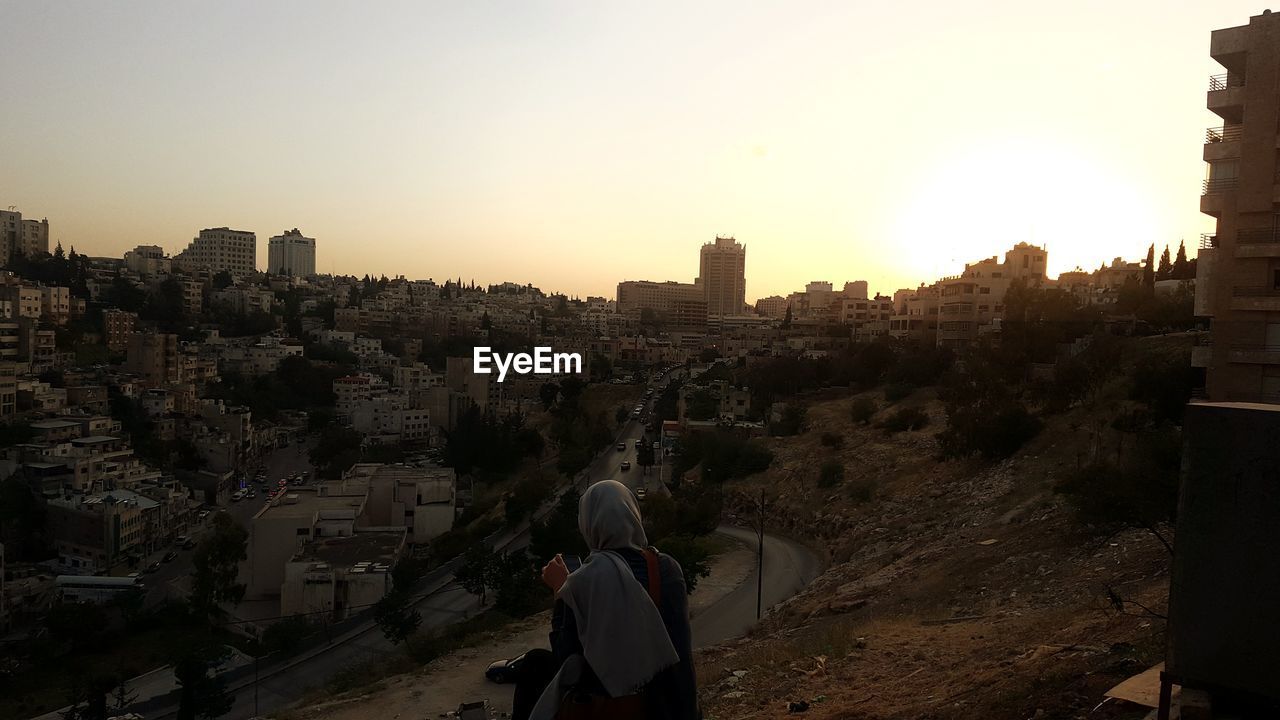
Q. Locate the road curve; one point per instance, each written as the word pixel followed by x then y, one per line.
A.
pixel 788 567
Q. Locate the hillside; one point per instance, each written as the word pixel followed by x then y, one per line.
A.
pixel 956 589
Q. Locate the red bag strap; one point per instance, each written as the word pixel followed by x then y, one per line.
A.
pixel 655 576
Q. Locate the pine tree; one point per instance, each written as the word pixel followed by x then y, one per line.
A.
pixel 1165 270
pixel 1149 268
pixel 1180 265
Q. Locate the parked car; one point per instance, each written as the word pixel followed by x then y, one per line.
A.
pixel 640 493
pixel 626 466
pixel 169 556
pixel 152 567
pixel 181 539
pixel 504 671
pixel 622 446
pixel 188 544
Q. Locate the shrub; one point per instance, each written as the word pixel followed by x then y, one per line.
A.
pixel 905 419
pixel 832 473
pixel 862 410
pixel 897 391
pixel 832 440
pixel 861 491
pixel 994 432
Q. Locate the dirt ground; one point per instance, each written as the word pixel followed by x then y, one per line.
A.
pixel 459 677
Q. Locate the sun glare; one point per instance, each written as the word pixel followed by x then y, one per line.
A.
pixel 981 201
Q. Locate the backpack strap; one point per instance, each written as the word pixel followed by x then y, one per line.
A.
pixel 655 576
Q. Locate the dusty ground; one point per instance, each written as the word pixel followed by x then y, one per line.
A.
pixel 459 677
pixel 957 590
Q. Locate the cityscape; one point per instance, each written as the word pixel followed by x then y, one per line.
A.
pixel 241 481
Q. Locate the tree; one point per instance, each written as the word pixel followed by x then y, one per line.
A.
pixel 477 573
pixel 786 319
pixel 216 565
pixel 1165 269
pixel 1180 265
pixel 285 636
pixel 547 394
pixel 832 473
pixel 862 410
pixel 516 584
pixel 200 695
pixel 1149 268
pixel 396 616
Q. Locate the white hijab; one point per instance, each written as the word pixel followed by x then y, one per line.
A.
pixel 623 637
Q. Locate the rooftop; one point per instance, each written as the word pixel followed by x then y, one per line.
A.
pixel 379 546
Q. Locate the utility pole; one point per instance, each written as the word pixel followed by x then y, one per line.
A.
pixel 255 686
pixel 760 561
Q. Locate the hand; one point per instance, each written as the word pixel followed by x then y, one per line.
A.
pixel 555 573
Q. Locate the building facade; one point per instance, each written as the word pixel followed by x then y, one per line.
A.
pixel 722 273
pixel 1238 267
pixel 290 253
pixel 219 249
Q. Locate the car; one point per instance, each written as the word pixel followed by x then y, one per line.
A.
pixel 169 556
pixel 152 567
pixel 640 493
pixel 622 446
pixel 251 495
pixel 188 544
pixel 181 539
pixel 504 671
pixel 625 466
pixel 638 441
pixel 237 496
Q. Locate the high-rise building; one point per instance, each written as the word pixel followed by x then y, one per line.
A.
pixel 722 275
pixel 17 235
pixel 290 253
pixel 1238 268
pixel 218 249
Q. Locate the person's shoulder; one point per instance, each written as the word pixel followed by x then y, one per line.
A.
pixel 669 565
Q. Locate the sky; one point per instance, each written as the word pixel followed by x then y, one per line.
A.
pixel 577 144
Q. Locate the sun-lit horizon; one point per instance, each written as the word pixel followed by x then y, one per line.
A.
pixel 573 146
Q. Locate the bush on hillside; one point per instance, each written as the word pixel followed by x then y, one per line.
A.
pixel 904 419
pixel 862 410
pixel 832 440
pixel 832 473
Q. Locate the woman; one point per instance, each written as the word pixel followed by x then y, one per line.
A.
pixel 620 638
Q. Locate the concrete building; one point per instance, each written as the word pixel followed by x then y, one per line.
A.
pixel 148 261
pixel 774 306
pixel 1238 267
pixel 282 528
pixel 55 304
pixel 972 303
pixel 419 499
pixel 219 249
pixel 155 357
pixel 722 275
pixel 290 253
pixel 118 326
pixel 672 302
pixel 335 576
pixel 28 237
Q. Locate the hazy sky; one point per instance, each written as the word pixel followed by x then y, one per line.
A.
pixel 576 144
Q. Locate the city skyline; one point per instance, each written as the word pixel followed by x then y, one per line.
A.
pixel 496 143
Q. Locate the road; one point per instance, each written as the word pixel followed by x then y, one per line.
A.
pixel 788 567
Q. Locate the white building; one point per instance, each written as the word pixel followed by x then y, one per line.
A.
pixel 148 261
pixel 290 253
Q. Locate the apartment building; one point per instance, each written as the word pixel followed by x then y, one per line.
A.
pixel 219 249
pixel 155 357
pixel 663 298
pixel 722 274
pixel 18 235
pixel 55 304
pixel 915 315
pixel 333 577
pixel 148 261
pixel 420 499
pixel 1238 267
pixel 118 325
pixel 971 304
pixel 292 254
pixel 103 527
pixel 774 306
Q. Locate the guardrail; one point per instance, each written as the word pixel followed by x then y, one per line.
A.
pixel 1225 81
pixel 1208 240
pixel 1218 185
pixel 1224 133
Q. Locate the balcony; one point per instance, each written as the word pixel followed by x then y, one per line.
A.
pixel 1260 298
pixel 1223 133
pixel 1254 354
pixel 1222 143
pixel 1225 81
pixel 1263 243
pixel 1208 240
pixel 1220 185
pixel 1226 97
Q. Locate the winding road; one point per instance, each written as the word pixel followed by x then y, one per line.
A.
pixel 787 566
